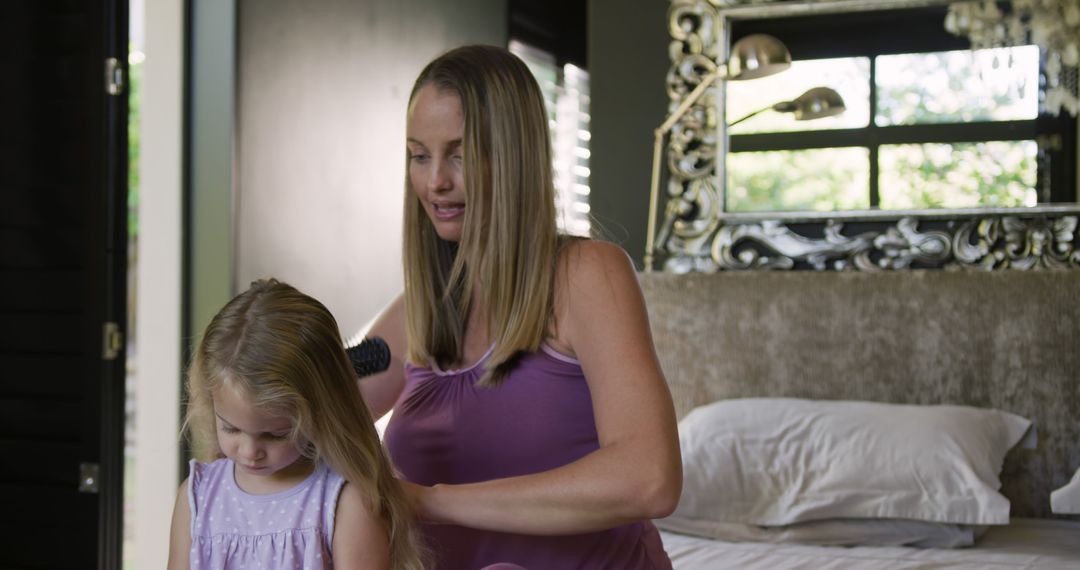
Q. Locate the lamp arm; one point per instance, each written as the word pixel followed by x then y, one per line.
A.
pixel 692 98
pixel 658 144
pixel 754 114
pixel 654 186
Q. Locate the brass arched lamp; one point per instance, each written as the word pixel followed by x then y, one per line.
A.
pixel 752 57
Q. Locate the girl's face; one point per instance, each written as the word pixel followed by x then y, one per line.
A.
pixel 256 441
pixel 434 137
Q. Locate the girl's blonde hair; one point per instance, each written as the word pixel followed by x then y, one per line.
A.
pixel 283 351
pixel 509 242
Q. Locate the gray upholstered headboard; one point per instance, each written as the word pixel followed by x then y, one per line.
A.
pixel 1004 339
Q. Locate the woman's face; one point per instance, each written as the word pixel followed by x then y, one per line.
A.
pixel 434 136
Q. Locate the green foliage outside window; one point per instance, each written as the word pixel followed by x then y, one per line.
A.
pixel 135 72
pixel 912 89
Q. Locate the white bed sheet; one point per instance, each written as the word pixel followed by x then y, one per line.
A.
pixel 1040 544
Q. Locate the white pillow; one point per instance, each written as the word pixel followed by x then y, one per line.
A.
pixel 778 461
pixel 1066 500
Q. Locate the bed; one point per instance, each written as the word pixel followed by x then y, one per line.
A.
pixel 1025 543
pixel 1001 344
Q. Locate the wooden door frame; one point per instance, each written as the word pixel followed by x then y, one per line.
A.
pixel 113 295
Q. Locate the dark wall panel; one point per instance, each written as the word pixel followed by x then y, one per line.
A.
pixel 62 165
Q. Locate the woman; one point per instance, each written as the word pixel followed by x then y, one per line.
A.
pixel 530 412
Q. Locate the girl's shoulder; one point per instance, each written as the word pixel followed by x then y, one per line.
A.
pixel 200 471
pixel 219 463
pixel 203 477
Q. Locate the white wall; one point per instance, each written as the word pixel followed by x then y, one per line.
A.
pixel 158 280
pixel 320 137
pixel 628 61
pixel 212 93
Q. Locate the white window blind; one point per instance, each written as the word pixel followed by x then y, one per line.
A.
pixel 566 95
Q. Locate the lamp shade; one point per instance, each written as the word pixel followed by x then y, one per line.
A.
pixel 816 103
pixel 757 55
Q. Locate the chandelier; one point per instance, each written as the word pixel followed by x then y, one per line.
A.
pixel 1053 25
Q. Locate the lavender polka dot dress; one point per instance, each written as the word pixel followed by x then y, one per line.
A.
pixel 232 529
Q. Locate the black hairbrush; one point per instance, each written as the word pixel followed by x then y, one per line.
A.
pixel 369 357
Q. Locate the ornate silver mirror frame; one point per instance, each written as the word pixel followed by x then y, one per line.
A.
pixel 694 233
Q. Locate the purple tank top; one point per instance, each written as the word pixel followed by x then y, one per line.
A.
pixel 233 529
pixel 446 430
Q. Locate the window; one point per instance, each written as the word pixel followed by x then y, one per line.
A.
pixel 928 122
pixel 566 95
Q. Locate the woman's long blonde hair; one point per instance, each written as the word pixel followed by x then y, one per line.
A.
pixel 283 350
pixel 509 241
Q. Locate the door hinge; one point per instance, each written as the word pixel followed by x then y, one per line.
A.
pixel 88 477
pixel 114 77
pixel 112 341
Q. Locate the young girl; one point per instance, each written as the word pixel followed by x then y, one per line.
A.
pixel 297 476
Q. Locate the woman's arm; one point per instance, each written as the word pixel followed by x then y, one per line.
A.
pixel 380 391
pixel 180 535
pixel 636 473
pixel 359 540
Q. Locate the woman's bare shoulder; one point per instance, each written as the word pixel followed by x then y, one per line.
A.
pixel 589 271
pixel 589 262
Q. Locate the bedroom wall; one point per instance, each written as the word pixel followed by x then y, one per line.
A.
pixel 627 65
pixel 321 96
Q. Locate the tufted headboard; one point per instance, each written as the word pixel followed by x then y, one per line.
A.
pixel 1005 339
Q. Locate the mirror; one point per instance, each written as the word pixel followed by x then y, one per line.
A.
pixel 913 150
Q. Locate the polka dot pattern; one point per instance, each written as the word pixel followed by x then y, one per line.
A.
pixel 234 529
